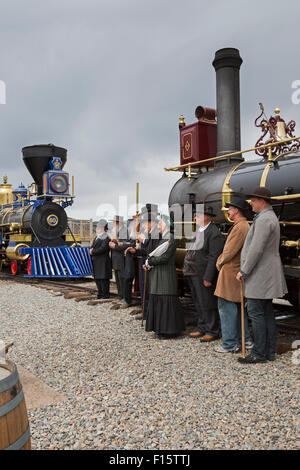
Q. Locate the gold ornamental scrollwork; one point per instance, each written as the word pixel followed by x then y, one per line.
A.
pixel 227 192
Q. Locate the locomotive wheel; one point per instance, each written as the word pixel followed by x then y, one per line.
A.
pixel 14 267
pixel 28 267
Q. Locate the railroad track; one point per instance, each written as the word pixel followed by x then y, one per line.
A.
pixel 287 318
pixel 79 290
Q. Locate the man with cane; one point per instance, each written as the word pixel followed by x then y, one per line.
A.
pixel 230 299
pixel 149 239
pixel 262 273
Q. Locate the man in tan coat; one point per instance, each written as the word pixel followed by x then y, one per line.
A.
pixel 228 287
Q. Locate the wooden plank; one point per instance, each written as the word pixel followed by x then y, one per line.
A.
pixel 102 301
pixel 84 297
pixel 14 418
pixel 72 295
pixel 4 439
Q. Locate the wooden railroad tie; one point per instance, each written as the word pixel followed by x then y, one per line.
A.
pixel 85 297
pixel 102 301
pixel 74 294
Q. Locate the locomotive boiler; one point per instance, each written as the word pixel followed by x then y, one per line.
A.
pixel 34 224
pixel 214 167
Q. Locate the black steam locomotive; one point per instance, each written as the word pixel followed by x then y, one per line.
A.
pixel 214 168
pixel 34 224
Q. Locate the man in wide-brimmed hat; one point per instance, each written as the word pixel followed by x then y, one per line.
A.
pixel 101 261
pixel 262 272
pixel 208 245
pixel 228 287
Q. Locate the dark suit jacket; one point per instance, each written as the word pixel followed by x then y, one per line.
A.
pixel 210 247
pixel 100 257
pixel 150 243
pixel 128 271
pixel 117 254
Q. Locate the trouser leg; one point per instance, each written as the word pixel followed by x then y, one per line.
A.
pixel 105 288
pixel 247 332
pixel 99 287
pixel 194 283
pixel 209 308
pixel 229 313
pixel 128 290
pixel 271 329
pixel 256 312
pixel 119 282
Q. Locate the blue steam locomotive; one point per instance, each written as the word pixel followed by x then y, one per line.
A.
pixel 35 237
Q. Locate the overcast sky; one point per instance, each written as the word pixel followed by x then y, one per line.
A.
pixel 108 80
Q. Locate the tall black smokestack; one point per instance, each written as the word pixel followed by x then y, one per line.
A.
pixel 227 64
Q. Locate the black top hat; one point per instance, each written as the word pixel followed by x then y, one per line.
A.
pixel 207 210
pixel 149 213
pixel 118 218
pixel 261 192
pixel 238 201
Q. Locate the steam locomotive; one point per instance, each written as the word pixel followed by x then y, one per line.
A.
pixel 34 225
pixel 214 168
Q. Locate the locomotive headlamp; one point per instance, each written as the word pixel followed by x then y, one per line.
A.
pixel 59 184
pixel 56 183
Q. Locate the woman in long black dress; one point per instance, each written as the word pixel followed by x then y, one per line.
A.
pixel 165 314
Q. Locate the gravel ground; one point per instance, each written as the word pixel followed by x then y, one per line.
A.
pixel 127 390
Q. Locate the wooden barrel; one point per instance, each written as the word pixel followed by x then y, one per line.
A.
pixel 14 426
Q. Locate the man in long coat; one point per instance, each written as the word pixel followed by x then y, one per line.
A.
pixel 119 235
pixel 128 271
pixel 262 272
pixel 101 260
pixel 228 287
pixel 209 243
pixel 149 240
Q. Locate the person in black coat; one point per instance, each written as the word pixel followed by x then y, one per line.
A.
pixel 101 260
pixel 148 240
pixel 165 315
pixel 118 235
pixel 128 271
pixel 208 245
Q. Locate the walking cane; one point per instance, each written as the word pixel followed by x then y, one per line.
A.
pixel 243 321
pixel 145 282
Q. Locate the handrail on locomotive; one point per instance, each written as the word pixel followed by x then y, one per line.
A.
pixel 223 157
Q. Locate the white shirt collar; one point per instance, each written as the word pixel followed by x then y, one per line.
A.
pixel 201 229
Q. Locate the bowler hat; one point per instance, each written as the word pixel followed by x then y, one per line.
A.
pixel 239 202
pixel 261 192
pixel 207 210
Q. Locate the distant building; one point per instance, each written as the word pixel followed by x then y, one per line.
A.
pixel 83 230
